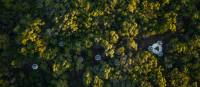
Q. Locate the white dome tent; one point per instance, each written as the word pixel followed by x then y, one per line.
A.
pixel 98 57
pixel 156 48
pixel 61 43
pixel 34 66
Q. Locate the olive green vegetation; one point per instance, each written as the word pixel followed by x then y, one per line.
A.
pixel 63 36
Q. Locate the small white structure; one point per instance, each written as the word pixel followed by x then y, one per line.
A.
pixel 61 44
pixel 156 48
pixel 34 66
pixel 81 59
pixel 56 33
pixel 48 31
pixel 98 57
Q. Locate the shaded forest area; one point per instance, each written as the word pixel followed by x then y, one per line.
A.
pixel 63 39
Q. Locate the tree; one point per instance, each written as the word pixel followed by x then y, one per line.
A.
pixel 132 6
pixel 87 78
pixel 97 82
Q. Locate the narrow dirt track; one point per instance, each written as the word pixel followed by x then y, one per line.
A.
pixel 143 43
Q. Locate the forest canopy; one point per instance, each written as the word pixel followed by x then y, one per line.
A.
pixel 99 43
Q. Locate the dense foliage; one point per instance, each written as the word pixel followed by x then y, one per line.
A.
pixel 63 37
